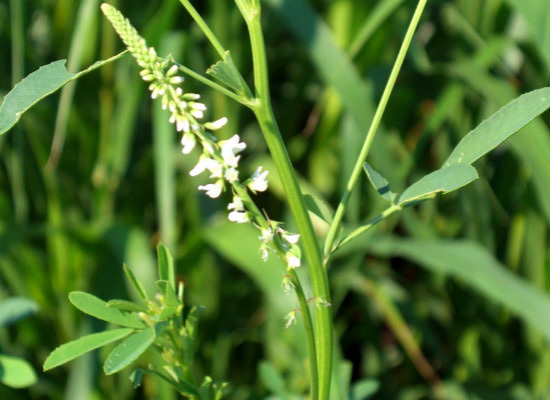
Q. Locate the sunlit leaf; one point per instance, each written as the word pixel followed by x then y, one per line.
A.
pixel 97 308
pixel 129 350
pixel 380 183
pixel 70 351
pixel 166 265
pixel 499 127
pixel 39 84
pixel 227 73
pixel 16 372
pixel 441 181
pixel 14 309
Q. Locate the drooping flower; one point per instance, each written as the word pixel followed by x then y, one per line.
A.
pixel 258 182
pixel 236 204
pixel 287 284
pixel 229 150
pixel 215 125
pixel 188 142
pixel 231 175
pixel 290 319
pixel 239 217
pixel 292 260
pixel 207 163
pixel 267 235
pixel 289 237
pixel 213 190
pixel 264 249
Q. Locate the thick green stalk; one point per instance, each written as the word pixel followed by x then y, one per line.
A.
pixel 319 279
pixel 357 169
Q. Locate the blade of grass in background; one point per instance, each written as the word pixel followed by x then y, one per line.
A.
pixel 475 267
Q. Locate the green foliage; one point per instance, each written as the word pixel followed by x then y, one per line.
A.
pixel 41 83
pixel 69 351
pixel 469 282
pixel 161 325
pixel 16 372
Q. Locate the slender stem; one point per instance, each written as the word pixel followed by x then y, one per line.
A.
pixel 310 335
pixel 241 99
pixel 264 114
pixel 308 322
pixel 364 228
pixel 331 236
pixel 204 27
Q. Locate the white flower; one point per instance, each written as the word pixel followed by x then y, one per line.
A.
pixel 188 142
pixel 290 318
pixel 290 238
pixel 215 125
pixel 175 80
pixel 238 217
pixel 265 252
pixel 206 163
pixel 231 175
pixel 287 284
pixel 173 69
pixel 213 190
pixel 292 261
pixel 320 302
pixel 236 205
pixel 259 181
pixel 267 235
pixel 229 148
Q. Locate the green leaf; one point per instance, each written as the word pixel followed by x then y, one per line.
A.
pixel 16 372
pixel 136 377
pixel 125 305
pixel 441 181
pixel 135 283
pixel 500 126
pixel 227 73
pixel 380 183
pixel 127 351
pixel 166 266
pixel 14 309
pixel 76 348
pixel 319 207
pixel 364 389
pixel 99 309
pixel 474 266
pixel 39 84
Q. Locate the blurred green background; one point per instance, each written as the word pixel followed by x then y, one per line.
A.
pixel 433 298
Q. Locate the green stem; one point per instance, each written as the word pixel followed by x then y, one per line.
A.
pixel 264 114
pixel 242 192
pixel 241 99
pixel 364 228
pixel 310 334
pixel 204 27
pixel 331 236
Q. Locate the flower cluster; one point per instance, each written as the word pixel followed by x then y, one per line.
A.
pixel 219 158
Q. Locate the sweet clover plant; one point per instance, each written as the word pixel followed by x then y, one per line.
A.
pixel 162 323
